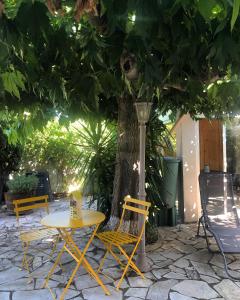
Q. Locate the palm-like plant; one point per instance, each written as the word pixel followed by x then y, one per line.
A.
pixel 95 164
pixel 159 142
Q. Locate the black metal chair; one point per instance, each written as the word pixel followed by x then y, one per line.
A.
pixel 219 213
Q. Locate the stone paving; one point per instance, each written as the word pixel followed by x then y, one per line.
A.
pixel 181 268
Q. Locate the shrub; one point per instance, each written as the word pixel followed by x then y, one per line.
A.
pixel 23 184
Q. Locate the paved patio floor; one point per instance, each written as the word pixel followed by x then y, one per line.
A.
pixel 181 268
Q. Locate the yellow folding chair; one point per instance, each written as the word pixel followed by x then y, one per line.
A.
pixel 26 237
pixel 118 239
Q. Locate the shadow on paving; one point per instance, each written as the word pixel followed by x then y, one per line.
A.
pixel 181 268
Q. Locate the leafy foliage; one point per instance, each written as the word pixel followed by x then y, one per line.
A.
pixel 159 142
pixel 52 149
pixel 13 81
pixel 9 155
pixel 96 161
pixel 176 50
pixel 83 153
pixel 236 6
pixel 175 62
pixel 23 184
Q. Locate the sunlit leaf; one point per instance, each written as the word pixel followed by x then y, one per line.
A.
pixel 235 12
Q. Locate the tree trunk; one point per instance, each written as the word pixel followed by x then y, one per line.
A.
pixel 1 188
pixel 127 157
pixel 3 180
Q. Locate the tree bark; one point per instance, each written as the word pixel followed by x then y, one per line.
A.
pixel 3 180
pixel 127 158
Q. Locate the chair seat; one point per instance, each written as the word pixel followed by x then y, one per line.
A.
pixel 37 234
pixel 117 237
pixel 227 238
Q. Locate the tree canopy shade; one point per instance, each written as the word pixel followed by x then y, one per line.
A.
pixel 177 47
pixel 85 55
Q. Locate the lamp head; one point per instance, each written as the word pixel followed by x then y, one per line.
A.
pixel 143 111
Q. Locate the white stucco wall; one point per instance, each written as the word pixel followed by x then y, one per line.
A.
pixel 187 137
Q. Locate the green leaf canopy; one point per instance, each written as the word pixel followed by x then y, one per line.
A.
pixel 182 50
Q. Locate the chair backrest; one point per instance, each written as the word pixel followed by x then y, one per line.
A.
pixel 142 209
pixel 217 199
pixel 30 203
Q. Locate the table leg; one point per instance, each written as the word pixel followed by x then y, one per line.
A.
pixel 71 247
pixel 95 275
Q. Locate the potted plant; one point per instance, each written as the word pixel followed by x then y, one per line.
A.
pixel 20 187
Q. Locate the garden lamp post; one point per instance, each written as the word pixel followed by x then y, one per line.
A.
pixel 143 111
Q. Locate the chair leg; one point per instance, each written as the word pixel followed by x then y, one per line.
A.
pixel 226 267
pixel 199 224
pixel 109 250
pixel 132 264
pixel 128 264
pixel 25 264
pixel 206 238
pixel 116 258
pixel 102 261
pixel 54 246
pixel 54 249
pixel 94 275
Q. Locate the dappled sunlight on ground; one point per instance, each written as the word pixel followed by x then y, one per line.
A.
pixel 181 268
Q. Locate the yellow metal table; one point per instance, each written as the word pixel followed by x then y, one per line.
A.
pixel 62 222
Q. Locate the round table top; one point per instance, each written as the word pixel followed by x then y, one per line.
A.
pixel 63 220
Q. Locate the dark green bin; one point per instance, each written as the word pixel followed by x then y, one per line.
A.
pixel 168 190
